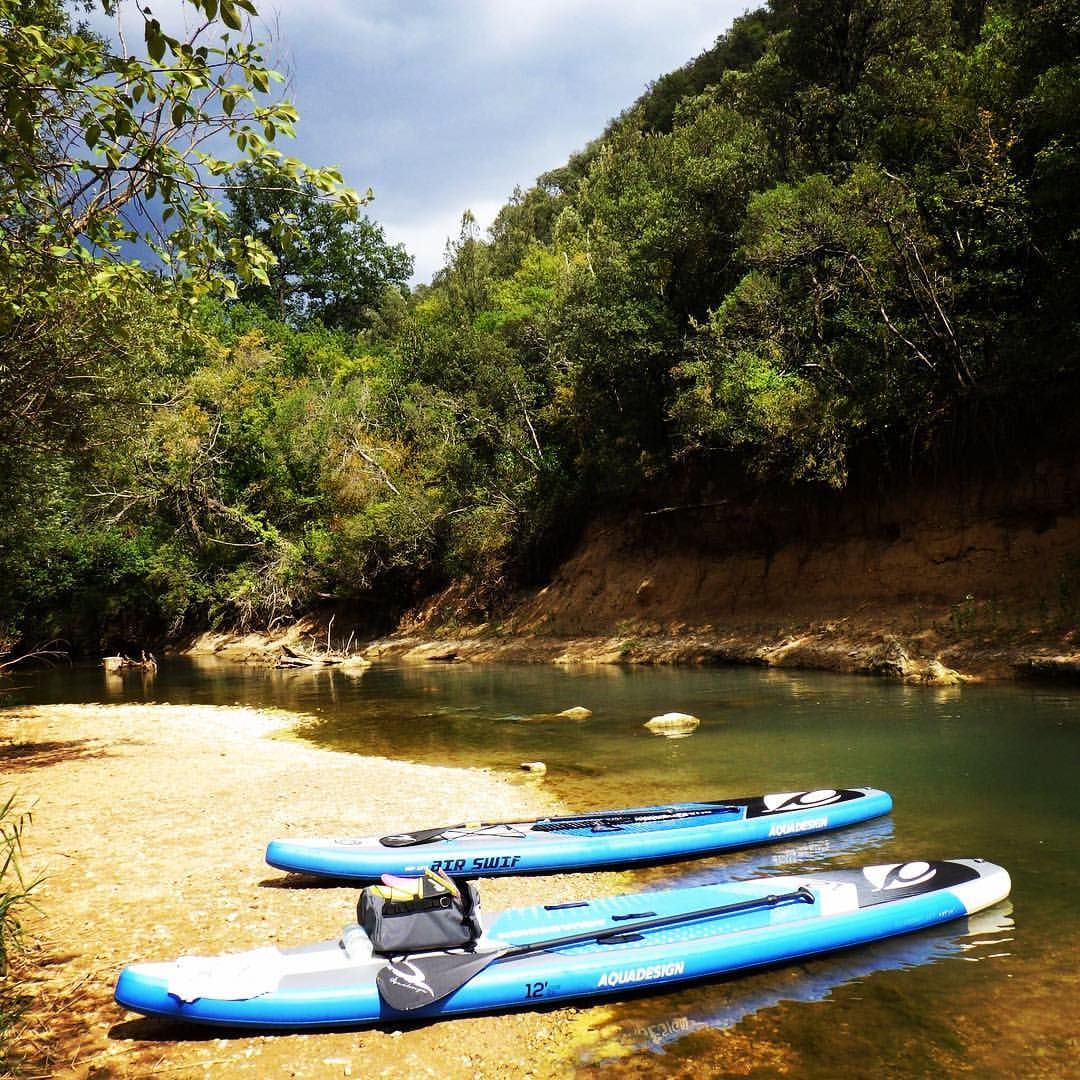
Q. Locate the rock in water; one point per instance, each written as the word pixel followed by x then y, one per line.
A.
pixel 673 723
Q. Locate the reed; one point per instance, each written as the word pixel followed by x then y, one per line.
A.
pixel 15 893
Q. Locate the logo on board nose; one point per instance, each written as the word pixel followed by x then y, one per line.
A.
pixel 799 800
pixel 899 875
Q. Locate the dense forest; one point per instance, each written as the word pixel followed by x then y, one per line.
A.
pixel 843 241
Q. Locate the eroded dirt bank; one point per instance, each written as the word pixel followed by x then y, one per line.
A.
pixel 961 578
pixel 969 573
pixel 149 826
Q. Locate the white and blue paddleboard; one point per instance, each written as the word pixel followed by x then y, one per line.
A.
pixel 601 838
pixel 560 952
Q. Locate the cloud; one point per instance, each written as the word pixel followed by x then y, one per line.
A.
pixel 425 234
pixel 443 105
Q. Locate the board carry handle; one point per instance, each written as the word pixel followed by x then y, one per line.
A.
pixel 623 817
pixel 406 983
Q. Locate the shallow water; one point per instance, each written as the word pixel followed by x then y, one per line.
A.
pixel 977 771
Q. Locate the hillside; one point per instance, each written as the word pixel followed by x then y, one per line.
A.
pixel 792 344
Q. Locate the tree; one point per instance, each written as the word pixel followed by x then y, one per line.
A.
pixel 328 266
pixel 95 138
pixel 848 321
pixel 103 148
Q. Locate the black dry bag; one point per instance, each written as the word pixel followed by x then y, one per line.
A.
pixel 439 914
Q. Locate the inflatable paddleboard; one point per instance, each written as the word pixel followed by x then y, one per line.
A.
pixel 601 838
pixel 591 949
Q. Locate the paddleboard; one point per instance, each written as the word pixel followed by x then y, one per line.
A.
pixel 591 949
pixel 601 838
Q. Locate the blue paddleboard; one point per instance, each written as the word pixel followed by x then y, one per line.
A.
pixel 601 838
pixel 587 950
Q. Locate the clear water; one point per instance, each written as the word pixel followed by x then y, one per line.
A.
pixel 979 771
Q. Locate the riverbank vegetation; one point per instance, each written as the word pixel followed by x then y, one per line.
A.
pixel 840 244
pixel 15 897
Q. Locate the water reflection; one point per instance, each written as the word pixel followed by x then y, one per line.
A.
pixel 127 684
pixel 857 845
pixel 984 936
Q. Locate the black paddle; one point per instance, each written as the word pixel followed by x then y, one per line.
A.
pixel 603 817
pixel 411 982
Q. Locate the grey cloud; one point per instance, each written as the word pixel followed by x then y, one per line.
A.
pixel 446 106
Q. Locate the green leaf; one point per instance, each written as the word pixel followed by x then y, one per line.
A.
pixel 24 126
pixel 229 15
pixel 155 41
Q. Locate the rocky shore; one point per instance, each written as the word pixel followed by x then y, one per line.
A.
pixel 891 645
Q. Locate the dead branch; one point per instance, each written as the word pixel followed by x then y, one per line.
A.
pixel 47 653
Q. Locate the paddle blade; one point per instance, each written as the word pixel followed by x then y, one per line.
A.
pixel 428 836
pixel 411 839
pixel 411 982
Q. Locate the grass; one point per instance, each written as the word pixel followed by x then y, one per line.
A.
pixel 14 896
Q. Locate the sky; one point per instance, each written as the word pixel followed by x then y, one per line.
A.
pixel 443 106
pixel 446 105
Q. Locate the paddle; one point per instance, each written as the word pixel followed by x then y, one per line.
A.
pixel 603 817
pixel 411 982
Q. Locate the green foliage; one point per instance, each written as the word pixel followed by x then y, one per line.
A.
pixel 94 136
pixel 843 236
pixel 14 889
pixel 736 51
pixel 15 897
pixel 327 265
pixel 90 129
pixel 744 394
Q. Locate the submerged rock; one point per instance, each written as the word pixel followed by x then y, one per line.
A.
pixel 937 674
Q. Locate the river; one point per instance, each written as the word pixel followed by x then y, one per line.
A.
pixel 981 771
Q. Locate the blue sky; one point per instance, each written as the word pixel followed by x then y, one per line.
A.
pixel 445 105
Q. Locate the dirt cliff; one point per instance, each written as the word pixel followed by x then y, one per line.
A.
pixel 961 575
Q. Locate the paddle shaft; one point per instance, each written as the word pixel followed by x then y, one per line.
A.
pixel 412 982
pixel 802 894
pixel 424 836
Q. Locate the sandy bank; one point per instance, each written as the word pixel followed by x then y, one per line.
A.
pixel 149 826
